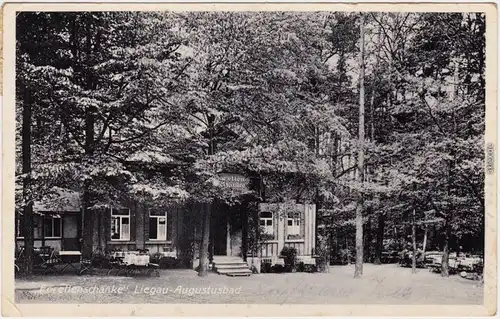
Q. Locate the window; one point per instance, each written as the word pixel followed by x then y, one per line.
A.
pixel 157 225
pixel 43 226
pixel 120 224
pixel 293 226
pixel 266 222
pixel 52 227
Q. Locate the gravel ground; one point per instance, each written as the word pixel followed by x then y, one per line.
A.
pixel 385 284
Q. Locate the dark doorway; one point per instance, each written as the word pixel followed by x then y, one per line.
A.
pixel 219 230
pixel 70 224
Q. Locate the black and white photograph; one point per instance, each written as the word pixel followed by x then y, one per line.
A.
pixel 316 157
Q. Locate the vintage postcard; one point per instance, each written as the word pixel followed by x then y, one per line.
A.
pixel 263 159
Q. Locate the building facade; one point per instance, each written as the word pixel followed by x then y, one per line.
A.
pixel 175 230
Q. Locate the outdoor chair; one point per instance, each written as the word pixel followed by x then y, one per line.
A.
pixel 478 268
pixel 99 260
pixel 153 269
pixel 45 259
pixel 19 259
pixel 87 264
pixel 116 265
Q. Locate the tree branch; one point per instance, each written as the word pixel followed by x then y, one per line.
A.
pixel 140 135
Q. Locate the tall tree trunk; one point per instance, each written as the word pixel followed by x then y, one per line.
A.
pixel 448 220
pixel 27 220
pixel 414 244
pixel 88 221
pixel 211 237
pixel 369 172
pixel 372 115
pixel 205 239
pixel 90 111
pixel 424 244
pixel 380 239
pixel 88 214
pixel 445 262
pixel 368 237
pixel 358 270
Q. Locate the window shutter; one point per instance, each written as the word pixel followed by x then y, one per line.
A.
pixel 132 227
pixel 174 219
pixel 302 222
pixel 169 224
pixel 147 222
pixel 107 224
pixel 286 226
pixel 153 230
pixel 276 219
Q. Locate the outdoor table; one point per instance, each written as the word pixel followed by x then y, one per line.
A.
pixel 171 254
pixel 118 254
pixel 132 262
pixel 68 257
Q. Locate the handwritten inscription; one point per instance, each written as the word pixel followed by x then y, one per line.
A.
pixel 490 158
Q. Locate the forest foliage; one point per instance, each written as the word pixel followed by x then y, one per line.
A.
pixel 155 105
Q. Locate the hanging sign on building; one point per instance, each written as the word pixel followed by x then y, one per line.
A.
pixel 236 182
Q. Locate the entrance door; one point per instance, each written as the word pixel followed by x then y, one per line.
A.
pixel 219 232
pixel 70 240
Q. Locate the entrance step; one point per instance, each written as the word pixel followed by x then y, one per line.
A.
pixel 231 266
pixel 235 274
pixel 227 258
pixel 235 271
